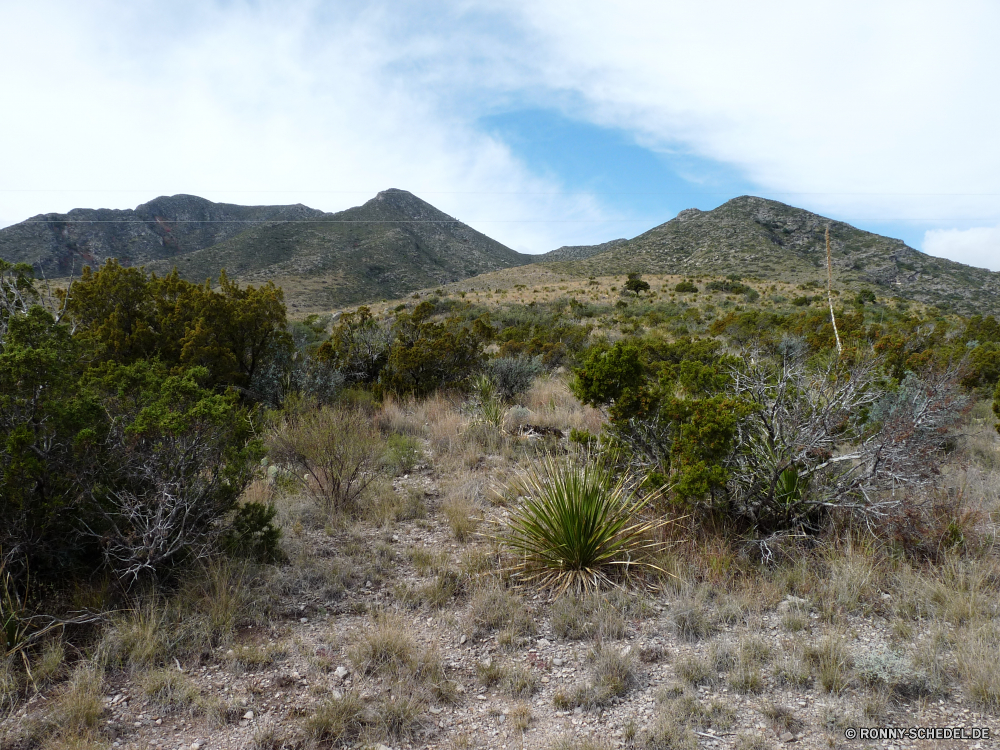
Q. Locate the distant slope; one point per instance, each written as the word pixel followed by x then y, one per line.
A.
pixel 393 244
pixel 576 252
pixel 161 230
pixel 756 237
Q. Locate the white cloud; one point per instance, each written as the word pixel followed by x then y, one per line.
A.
pixel 872 112
pixel 979 246
pixel 874 109
pixel 261 103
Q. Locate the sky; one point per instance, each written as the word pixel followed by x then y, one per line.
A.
pixel 541 123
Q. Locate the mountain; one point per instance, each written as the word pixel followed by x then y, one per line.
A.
pixel 576 252
pixel 397 243
pixel 161 230
pixel 393 244
pixel 756 237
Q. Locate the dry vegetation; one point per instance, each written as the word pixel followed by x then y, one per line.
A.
pixel 392 621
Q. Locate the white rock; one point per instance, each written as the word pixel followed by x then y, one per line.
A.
pixel 248 716
pixel 341 672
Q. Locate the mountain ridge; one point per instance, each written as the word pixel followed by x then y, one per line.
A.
pixel 757 237
pixel 397 243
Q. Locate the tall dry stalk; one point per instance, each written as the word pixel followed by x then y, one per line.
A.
pixel 829 289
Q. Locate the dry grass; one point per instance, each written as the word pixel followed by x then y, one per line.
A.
pixel 80 706
pixel 976 653
pixel 590 616
pixel 553 405
pixel 832 662
pixel 384 648
pixel 515 680
pixel 169 688
pixel 498 609
pixel 462 514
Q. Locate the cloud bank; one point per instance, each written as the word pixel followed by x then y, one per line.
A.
pixel 979 246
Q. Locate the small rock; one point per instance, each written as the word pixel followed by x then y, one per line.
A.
pixel 303 619
pixel 480 697
pixel 230 653
pixel 558 662
pixel 337 695
pixel 248 716
pixel 787 737
pixel 196 745
pixel 341 672
pixel 463 639
pixel 793 603
pixel 434 710
pixel 543 642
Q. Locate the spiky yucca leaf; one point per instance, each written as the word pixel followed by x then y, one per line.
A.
pixel 575 526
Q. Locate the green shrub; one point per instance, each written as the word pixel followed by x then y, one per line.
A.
pixel 253 533
pixel 333 452
pixel 686 287
pixel 402 453
pixel 635 284
pixel 513 376
pixel 608 372
pixel 426 356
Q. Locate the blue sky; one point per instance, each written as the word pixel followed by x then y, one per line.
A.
pixel 541 123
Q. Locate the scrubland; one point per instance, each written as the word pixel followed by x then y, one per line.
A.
pixel 396 623
pixel 512 558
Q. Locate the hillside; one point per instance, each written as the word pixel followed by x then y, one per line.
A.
pixel 756 237
pixel 163 229
pixel 577 252
pixel 393 244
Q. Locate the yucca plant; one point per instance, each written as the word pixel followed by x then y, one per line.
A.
pixel 575 526
pixel 489 406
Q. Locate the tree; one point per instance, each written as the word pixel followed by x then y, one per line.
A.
pixel 635 284
pixel 135 465
pixel 426 355
pixel 358 347
pixel 176 458
pixel 607 373
pixel 834 437
pixel 125 315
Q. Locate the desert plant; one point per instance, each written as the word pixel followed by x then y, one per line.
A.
pixel 513 376
pixel 495 608
pixel 334 452
pixel 577 527
pixel 487 403
pixel 402 453
pixel 834 437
